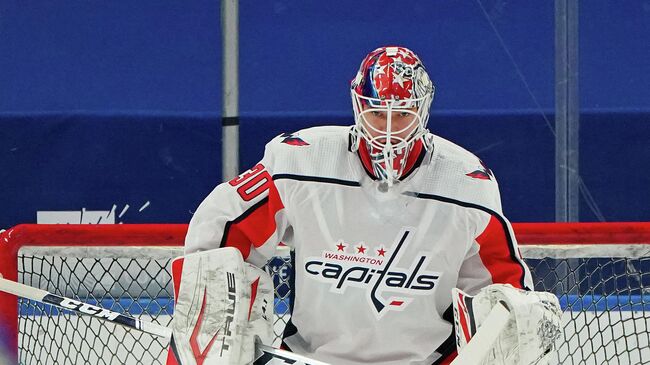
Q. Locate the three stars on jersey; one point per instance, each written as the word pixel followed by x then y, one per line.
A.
pixel 361 249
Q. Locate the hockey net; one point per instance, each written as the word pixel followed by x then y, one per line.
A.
pixel 599 271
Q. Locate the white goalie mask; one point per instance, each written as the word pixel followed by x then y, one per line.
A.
pixel 391 96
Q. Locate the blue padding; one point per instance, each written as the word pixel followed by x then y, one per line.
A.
pixel 614 160
pixel 519 148
pixel 600 303
pixel 165 306
pixel 130 306
pixel 58 162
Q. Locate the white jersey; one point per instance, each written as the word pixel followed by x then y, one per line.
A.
pixel 374 268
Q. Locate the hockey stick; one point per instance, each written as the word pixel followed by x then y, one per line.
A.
pixel 481 343
pixel 264 354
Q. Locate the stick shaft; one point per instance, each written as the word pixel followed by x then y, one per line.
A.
pixel 39 295
pixel 43 296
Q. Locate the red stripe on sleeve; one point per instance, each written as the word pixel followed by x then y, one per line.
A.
pixel 495 253
pixel 255 226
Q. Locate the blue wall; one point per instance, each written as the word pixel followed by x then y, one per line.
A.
pixel 300 56
pixel 614 51
pixel 110 56
pixel 108 104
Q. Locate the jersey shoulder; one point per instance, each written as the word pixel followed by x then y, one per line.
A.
pixel 450 154
pixel 318 151
pixel 456 173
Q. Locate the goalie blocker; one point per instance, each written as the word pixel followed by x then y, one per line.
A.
pixel 528 334
pixel 223 307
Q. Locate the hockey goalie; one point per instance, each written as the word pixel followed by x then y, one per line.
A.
pixel 384 219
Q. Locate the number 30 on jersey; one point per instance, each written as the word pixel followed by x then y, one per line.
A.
pixel 252 183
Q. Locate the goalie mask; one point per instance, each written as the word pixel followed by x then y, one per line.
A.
pixel 391 96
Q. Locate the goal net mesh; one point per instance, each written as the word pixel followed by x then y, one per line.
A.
pixel 130 280
pixel 603 290
pixel 606 307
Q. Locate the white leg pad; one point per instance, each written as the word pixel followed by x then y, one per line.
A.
pixel 223 307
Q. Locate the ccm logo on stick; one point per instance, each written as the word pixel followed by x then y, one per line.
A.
pixel 86 308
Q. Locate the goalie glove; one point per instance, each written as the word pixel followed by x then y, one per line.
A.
pixel 223 307
pixel 529 334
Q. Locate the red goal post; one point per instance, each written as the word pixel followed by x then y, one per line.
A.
pixel 592 267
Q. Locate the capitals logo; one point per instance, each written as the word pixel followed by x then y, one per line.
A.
pixel 389 286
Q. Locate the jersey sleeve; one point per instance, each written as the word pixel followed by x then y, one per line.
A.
pixel 245 212
pixel 493 256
